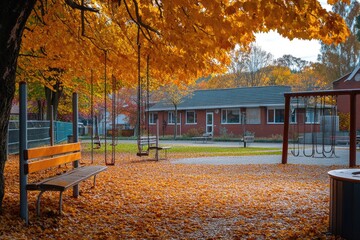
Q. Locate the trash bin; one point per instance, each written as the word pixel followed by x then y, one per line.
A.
pixel 345 203
pixel 70 139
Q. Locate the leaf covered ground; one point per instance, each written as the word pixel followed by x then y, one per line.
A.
pixel 137 199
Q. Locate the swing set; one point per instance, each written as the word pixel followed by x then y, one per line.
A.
pixel 147 142
pixel 317 104
pixel 314 122
pixel 95 139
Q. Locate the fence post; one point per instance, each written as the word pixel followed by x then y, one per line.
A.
pixel 75 134
pixel 22 146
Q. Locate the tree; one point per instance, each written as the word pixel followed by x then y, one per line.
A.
pixel 277 75
pixel 176 93
pixel 358 27
pixel 250 66
pixel 183 38
pixel 341 59
pixel 293 63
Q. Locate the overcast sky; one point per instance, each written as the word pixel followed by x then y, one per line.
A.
pixel 278 46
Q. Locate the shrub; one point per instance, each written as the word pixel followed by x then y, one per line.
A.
pixel 194 132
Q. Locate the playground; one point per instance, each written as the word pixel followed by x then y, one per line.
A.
pixel 104 66
pixel 166 199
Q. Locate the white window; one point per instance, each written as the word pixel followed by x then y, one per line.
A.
pixel 191 117
pixel 230 115
pixel 253 116
pixel 171 118
pixel 293 116
pixel 153 118
pixel 275 115
pixel 311 117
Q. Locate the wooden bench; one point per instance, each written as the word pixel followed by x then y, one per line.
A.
pixel 247 139
pixel 43 158
pixel 342 140
pixel 152 143
pixel 204 138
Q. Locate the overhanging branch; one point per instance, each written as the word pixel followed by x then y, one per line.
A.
pixel 74 5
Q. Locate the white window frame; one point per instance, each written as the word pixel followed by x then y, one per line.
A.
pixel 173 117
pixel 307 113
pixel 293 114
pixel 258 117
pixel 186 118
pixel 226 114
pixel 274 114
pixel 152 119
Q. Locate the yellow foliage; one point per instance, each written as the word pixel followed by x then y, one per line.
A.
pixel 184 40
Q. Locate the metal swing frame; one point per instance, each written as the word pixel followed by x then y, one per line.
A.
pixel 352 93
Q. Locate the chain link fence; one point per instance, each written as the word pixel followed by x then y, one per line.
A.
pixel 38 134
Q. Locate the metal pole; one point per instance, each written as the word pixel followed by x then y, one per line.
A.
pixel 92 117
pixel 105 118
pixel 52 125
pixel 22 146
pixel 352 156
pixel 75 134
pixel 286 130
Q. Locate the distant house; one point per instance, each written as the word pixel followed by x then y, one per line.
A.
pixel 348 81
pixel 259 110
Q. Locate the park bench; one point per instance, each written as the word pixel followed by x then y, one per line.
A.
pixel 204 138
pixel 152 143
pixel 345 140
pixel 43 158
pixel 247 139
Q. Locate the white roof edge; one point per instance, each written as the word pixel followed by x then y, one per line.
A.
pixel 352 74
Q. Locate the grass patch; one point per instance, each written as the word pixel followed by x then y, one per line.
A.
pixel 196 150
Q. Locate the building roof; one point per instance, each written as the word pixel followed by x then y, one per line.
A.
pixel 349 76
pixel 228 98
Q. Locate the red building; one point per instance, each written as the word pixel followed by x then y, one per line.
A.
pixel 231 112
pixel 348 81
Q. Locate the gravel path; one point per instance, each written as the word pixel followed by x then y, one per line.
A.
pixel 341 158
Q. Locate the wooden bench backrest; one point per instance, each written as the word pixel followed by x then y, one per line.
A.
pixel 51 156
pixel 146 140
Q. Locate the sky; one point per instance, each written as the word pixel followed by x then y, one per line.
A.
pixel 278 46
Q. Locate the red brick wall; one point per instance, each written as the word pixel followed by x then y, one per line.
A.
pixel 264 129
pixel 344 101
pixel 260 130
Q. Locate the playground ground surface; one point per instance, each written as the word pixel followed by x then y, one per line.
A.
pixel 183 198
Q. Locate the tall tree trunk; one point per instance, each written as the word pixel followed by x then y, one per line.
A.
pixel 40 109
pixel 13 16
pixel 176 122
pixel 52 99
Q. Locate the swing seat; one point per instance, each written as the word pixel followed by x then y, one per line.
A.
pixel 140 154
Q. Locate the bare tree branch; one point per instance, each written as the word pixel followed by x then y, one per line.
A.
pixel 74 5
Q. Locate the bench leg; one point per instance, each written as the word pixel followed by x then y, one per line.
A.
pixel 157 155
pixel 38 204
pixel 94 180
pixel 60 203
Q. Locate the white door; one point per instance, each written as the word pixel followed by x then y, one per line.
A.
pixel 210 123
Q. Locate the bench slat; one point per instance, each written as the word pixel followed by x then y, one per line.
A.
pixel 71 178
pixel 51 162
pixel 51 150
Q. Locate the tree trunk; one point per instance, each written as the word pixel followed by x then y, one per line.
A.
pixel 52 99
pixel 40 110
pixel 13 16
pixel 176 122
